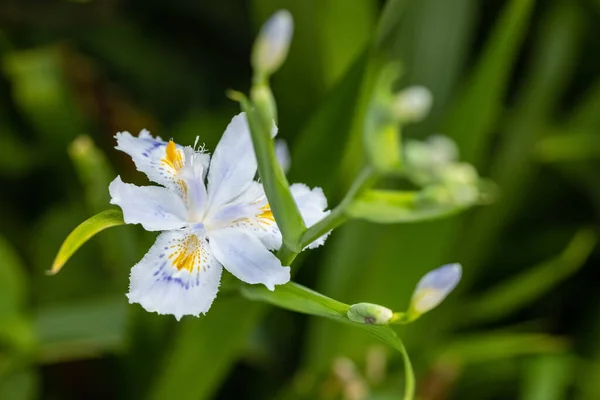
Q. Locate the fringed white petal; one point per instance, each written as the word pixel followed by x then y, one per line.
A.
pixel 312 205
pixel 159 160
pixel 154 207
pixel 243 254
pixel 178 276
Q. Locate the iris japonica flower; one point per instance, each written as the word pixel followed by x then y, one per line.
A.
pixel 212 214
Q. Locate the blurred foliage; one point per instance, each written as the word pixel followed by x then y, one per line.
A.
pixel 516 84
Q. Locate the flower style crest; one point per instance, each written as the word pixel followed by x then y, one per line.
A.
pixel 226 222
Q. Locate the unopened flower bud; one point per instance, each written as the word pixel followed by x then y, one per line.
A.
pixel 412 104
pixel 433 288
pixel 282 152
pixel 370 314
pixel 426 160
pixel 272 44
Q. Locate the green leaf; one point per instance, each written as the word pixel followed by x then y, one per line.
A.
pixel 298 298
pixel 313 161
pixel 81 329
pixel 94 171
pixel 494 346
pixel 522 289
pixel 514 167
pixel 284 207
pixel 23 385
pixel 391 207
pixel 204 349
pixel 41 91
pixel 13 282
pixel 547 377
pixel 95 174
pixel 84 232
pixel 569 146
pixel 481 101
pixel 15 329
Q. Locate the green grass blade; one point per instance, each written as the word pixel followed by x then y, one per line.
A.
pixel 313 160
pixel 520 290
pixel 84 232
pixel 481 101
pixel 493 346
pixel 547 377
pixel 514 166
pixel 81 330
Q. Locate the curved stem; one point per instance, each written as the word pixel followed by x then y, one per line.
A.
pixel 338 216
pixel 409 375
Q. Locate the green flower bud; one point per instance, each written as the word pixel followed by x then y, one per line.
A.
pixel 370 314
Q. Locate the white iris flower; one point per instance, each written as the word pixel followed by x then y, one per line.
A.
pixel 225 223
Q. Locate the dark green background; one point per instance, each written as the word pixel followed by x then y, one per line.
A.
pixel 516 84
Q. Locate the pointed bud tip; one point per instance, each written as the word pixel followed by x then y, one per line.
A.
pixel 272 44
pixel 433 288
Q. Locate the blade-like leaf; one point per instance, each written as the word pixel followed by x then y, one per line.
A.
pixel 83 329
pixel 482 98
pixel 531 284
pixel 493 346
pixel 285 210
pixel 84 232
pixel 547 377
pixel 298 298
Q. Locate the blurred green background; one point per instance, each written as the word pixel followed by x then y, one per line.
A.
pixel 516 85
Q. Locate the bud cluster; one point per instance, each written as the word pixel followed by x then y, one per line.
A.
pixel 433 164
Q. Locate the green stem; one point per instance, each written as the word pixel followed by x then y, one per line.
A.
pixel 286 256
pixel 338 215
pixel 409 374
pixel 281 201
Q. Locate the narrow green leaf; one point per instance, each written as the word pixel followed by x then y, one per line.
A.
pixel 569 146
pixel 494 346
pixel 481 101
pixel 95 174
pixel 204 349
pixel 15 329
pixel 284 207
pixel 82 329
pixel 313 161
pixel 94 171
pixel 513 166
pixel 547 377
pixel 42 92
pixel 13 282
pixel 391 207
pixel 83 233
pixel 533 283
pixel 298 298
